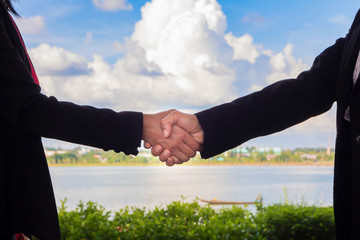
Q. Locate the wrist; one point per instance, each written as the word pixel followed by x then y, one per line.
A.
pixel 146 126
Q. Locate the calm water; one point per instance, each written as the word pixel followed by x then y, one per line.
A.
pixel 117 187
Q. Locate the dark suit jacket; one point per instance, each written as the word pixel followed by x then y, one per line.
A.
pixel 26 196
pixel 288 102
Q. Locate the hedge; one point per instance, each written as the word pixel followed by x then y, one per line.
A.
pixel 182 220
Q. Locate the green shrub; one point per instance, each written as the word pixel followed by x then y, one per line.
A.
pixel 293 222
pixel 89 221
pixel 180 220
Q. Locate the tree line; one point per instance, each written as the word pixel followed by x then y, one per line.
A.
pixel 251 155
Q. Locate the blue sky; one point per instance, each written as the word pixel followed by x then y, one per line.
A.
pixel 281 22
pixel 187 54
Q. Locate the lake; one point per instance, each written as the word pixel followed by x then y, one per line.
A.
pixel 115 187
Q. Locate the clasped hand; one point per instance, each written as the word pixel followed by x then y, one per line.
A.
pixel 173 136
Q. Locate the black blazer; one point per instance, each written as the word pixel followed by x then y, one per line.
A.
pixel 27 202
pixel 288 102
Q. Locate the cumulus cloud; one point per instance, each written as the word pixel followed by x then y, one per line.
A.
pixel 187 44
pixel 177 56
pixel 325 123
pixel 112 5
pixel 55 61
pixel 31 25
pixel 284 65
pixel 244 49
pixel 181 56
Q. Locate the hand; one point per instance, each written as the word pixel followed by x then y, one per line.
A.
pixel 179 145
pixel 188 122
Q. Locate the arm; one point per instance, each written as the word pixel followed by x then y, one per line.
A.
pixel 275 108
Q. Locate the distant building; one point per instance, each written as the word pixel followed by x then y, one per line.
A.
pixel 274 150
pixel 244 152
pixel 238 151
pixel 49 153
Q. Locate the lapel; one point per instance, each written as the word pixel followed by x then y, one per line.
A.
pixel 350 53
pixel 354 96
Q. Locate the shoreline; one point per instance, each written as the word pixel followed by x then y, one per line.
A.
pixel 320 164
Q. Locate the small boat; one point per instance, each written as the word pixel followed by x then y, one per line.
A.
pixel 259 199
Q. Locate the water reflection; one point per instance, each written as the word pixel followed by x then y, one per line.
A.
pixel 117 187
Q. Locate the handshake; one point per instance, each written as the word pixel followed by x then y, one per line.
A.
pixel 173 136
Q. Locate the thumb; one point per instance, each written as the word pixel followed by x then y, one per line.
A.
pixel 167 122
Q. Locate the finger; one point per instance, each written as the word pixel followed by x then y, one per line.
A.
pixel 156 150
pixel 192 143
pixel 165 155
pixel 167 122
pixel 147 145
pixel 186 152
pixel 170 162
pixel 175 160
pixel 185 142
pixel 179 157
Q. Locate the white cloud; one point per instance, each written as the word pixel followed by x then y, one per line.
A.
pixel 340 20
pixel 284 65
pixel 182 48
pixel 255 87
pixel 181 56
pixel 324 123
pixel 54 61
pixel 178 56
pixel 31 25
pixel 112 5
pixel 244 49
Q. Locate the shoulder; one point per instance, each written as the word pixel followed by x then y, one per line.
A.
pixel 356 21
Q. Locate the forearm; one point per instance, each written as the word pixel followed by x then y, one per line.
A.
pixel 231 124
pixel 275 108
pixel 26 110
pixel 102 128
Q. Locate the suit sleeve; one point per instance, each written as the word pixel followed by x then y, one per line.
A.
pixel 275 108
pixel 26 111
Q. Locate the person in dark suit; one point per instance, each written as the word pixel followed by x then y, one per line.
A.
pixel 27 204
pixel 333 77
